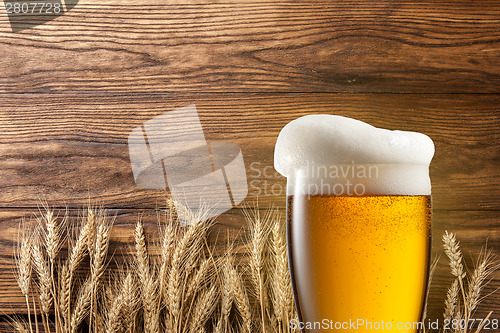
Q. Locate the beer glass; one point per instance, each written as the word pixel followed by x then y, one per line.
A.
pixel 358 246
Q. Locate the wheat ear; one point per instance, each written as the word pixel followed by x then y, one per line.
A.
pixel 44 279
pixel 241 300
pixel 204 307
pixel 65 295
pixel 167 248
pixel 115 307
pixel 20 326
pixel 148 283
pixel 188 247
pixel 199 278
pixel 227 288
pixel 85 237
pixel 23 262
pixel 82 306
pixel 259 227
pixel 130 301
pixel 98 264
pixel 281 280
pixel 452 250
pixel 450 303
pixel 485 266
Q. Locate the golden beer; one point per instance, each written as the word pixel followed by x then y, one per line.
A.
pixel 360 259
pixel 359 223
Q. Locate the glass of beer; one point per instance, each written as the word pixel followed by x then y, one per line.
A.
pixel 358 223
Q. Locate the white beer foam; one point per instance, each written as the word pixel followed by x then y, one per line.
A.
pixel 402 157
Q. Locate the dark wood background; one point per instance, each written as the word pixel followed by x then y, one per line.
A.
pixel 72 89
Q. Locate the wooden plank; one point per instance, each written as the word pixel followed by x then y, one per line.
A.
pixel 65 149
pixel 473 229
pixel 264 46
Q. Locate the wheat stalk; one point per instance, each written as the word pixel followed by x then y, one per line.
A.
pixel 85 237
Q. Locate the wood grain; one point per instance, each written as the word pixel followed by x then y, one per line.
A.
pixel 263 46
pixel 73 88
pixel 67 149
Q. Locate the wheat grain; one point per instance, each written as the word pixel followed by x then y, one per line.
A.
pixel 452 250
pixel 100 250
pixel 168 242
pixel 484 267
pixel 218 327
pixel 450 304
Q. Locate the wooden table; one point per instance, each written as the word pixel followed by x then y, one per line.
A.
pixel 74 87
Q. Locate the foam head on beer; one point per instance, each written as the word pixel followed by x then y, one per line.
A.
pixel 398 160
